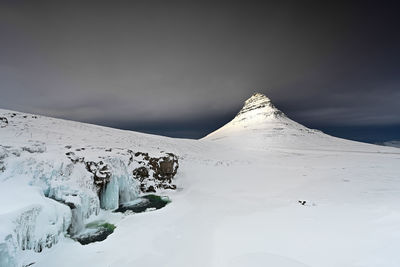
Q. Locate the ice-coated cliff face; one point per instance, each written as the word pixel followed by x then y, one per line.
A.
pixel 57 174
pixel 54 197
pixel 122 187
pixel 29 221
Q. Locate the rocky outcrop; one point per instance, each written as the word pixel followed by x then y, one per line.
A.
pixel 152 173
pixel 3 122
pixel 141 173
pixel 100 170
pixel 155 172
pixel 101 173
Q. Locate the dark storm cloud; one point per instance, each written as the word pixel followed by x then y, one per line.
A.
pixel 162 66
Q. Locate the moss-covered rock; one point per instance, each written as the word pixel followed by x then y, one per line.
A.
pixel 145 202
pixel 95 232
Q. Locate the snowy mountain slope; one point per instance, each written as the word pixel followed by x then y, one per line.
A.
pixel 260 125
pixel 248 194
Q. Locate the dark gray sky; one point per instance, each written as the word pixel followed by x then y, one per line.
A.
pixel 184 68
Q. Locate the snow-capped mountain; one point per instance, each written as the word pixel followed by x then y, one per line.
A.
pixel 262 190
pixel 260 125
pixel 260 119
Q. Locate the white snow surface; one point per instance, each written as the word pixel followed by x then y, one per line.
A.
pixel 237 201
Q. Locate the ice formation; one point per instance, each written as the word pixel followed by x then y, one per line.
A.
pixel 121 188
pixel 69 187
pixel 33 222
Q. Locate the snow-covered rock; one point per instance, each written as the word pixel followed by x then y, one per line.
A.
pixel 155 172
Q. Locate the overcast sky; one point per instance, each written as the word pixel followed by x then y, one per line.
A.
pixel 185 68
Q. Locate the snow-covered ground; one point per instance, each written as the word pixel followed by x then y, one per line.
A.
pixel 261 191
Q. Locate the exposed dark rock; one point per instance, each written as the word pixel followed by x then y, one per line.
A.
pixel 74 158
pixel 101 173
pixel 302 202
pixel 155 172
pixel 145 155
pixel 147 188
pixel 167 186
pixel 3 122
pixel 70 205
pixel 166 167
pixel 2 166
pixel 141 173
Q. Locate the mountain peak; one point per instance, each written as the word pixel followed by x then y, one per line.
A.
pixel 258 95
pixel 260 104
pixel 258 119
